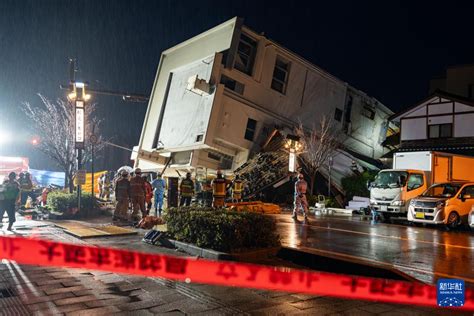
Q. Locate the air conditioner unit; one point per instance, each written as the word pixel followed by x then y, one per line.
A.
pixel 199 86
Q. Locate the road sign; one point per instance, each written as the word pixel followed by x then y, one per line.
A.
pixel 80 178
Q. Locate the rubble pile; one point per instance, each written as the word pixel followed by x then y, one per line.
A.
pixel 263 170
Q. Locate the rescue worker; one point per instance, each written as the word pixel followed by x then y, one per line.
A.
pixel 300 197
pixel 137 193
pixel 11 197
pixel 122 195
pixel 159 185
pixel 237 188
pixel 186 190
pixel 106 185
pixel 99 185
pixel 148 194
pixel 26 186
pixel 218 190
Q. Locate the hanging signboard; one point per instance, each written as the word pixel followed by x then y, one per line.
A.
pixel 292 162
pixel 79 138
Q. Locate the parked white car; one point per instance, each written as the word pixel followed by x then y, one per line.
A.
pixel 471 218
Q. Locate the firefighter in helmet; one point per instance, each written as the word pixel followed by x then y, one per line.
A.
pixel 187 190
pixel 138 195
pixel 237 188
pixel 218 190
pixel 122 195
pixel 300 197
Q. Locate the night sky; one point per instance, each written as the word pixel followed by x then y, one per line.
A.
pixel 388 49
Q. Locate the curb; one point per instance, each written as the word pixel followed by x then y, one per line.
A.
pixel 217 255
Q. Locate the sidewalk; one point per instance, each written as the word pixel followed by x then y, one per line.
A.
pixel 31 290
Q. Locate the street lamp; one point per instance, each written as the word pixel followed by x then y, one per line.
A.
pixel 292 143
pixel 79 96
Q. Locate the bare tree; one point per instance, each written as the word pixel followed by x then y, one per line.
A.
pixel 319 143
pixel 54 123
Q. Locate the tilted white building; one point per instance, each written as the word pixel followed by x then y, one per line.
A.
pixel 218 96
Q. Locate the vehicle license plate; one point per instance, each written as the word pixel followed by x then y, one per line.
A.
pixel 420 215
pixel 383 208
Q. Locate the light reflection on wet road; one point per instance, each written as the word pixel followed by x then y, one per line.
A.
pixel 426 254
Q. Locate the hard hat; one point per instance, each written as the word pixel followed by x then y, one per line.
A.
pixel 124 173
pixel 138 170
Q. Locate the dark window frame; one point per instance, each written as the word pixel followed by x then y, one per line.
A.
pixel 440 133
pixel 338 115
pixel 232 84
pixel 250 129
pixel 244 61
pixel 283 66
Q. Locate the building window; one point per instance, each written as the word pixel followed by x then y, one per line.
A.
pixel 232 84
pixel 280 75
pixel 368 112
pixel 338 115
pixel 440 131
pixel 250 129
pixel 199 138
pixel 246 53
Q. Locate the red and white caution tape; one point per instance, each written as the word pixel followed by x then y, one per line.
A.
pixel 48 253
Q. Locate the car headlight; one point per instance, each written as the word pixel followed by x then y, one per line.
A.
pixel 373 201
pixel 398 203
pixel 440 204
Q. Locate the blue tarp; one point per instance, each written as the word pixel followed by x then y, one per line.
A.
pixel 44 178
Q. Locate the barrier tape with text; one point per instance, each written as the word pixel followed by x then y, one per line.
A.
pixel 226 273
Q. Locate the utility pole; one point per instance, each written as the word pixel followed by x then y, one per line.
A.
pixel 79 96
pixel 329 176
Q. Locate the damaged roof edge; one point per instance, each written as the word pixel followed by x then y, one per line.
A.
pixel 230 23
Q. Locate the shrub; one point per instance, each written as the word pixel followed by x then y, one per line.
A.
pixel 221 230
pixel 357 184
pixel 66 203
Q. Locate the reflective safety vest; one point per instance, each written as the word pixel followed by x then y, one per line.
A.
pixel 238 186
pixel 187 187
pixel 218 187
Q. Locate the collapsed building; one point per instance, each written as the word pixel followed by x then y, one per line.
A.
pixel 218 97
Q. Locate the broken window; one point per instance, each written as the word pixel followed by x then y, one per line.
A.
pixel 368 112
pixel 250 129
pixel 233 85
pixel 246 53
pixel 280 75
pixel 338 115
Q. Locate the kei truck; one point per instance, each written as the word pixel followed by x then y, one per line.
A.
pixel 412 174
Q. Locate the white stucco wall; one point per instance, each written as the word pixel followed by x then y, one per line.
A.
pixel 413 129
pixel 197 48
pixel 464 125
pixel 186 113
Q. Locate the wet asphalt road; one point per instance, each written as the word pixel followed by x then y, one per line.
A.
pixel 423 253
